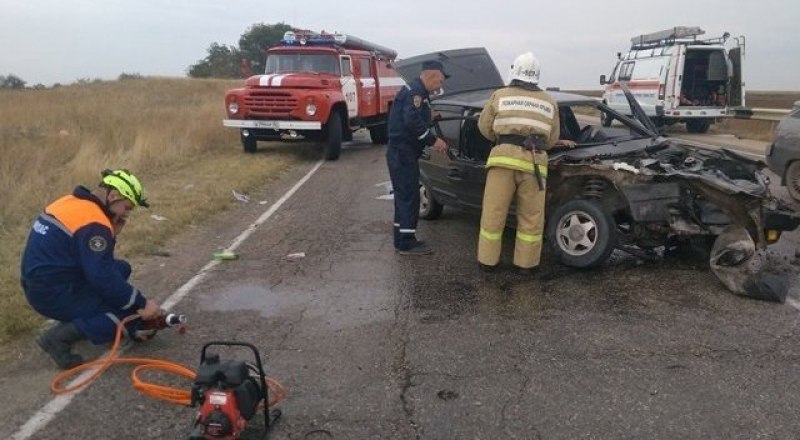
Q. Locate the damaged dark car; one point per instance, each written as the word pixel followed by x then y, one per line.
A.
pixel 622 187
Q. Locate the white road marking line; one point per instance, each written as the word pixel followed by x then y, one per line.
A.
pixel 794 303
pixel 58 403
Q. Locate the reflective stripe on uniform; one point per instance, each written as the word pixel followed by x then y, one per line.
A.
pixel 132 300
pixel 491 235
pixel 116 321
pixel 501 121
pixel 529 238
pixel 54 221
pixel 525 104
pixel 518 164
pixel 408 231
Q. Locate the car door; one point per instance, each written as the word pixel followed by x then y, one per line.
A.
pixel 435 168
pixel 460 174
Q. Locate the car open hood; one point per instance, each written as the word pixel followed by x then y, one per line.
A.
pixel 469 69
pixel 637 111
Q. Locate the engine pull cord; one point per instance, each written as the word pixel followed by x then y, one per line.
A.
pixel 177 396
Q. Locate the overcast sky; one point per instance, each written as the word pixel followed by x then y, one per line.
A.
pixel 48 41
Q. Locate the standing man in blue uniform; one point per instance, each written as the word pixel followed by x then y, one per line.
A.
pixel 409 133
pixel 69 272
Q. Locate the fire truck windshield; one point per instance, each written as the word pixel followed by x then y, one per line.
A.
pixel 284 63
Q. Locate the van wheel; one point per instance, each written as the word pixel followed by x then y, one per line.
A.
pixel 249 143
pixel 333 141
pixel 429 207
pixel 792 180
pixel 378 134
pixel 582 233
pixel 606 119
pixel 698 125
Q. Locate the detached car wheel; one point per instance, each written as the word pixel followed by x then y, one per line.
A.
pixel 581 233
pixel 429 208
pixel 793 180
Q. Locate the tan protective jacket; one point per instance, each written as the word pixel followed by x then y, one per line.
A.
pixel 515 110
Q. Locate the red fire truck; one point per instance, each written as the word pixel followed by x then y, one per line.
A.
pixel 318 87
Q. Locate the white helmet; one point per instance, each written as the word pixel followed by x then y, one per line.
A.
pixel 526 68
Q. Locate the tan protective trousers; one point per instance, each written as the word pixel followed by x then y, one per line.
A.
pixel 501 186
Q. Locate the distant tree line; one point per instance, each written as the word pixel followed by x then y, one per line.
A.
pixel 11 82
pixel 225 61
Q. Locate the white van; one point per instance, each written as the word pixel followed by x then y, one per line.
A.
pixel 677 77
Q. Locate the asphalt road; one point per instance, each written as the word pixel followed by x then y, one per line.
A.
pixel 374 345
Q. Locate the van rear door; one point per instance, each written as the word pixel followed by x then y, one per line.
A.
pixel 736 87
pixel 674 78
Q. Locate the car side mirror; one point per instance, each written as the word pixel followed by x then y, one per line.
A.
pixel 602 80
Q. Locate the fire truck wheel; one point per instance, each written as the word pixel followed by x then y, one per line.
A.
pixel 378 134
pixel 249 144
pixel 333 142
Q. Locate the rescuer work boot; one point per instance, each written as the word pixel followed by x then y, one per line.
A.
pixel 419 248
pixel 57 342
pixel 487 267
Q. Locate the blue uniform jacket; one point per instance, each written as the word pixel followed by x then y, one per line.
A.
pixel 72 244
pixel 410 119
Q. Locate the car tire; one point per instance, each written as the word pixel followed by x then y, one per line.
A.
pixel 792 180
pixel 378 134
pixel 698 125
pixel 581 233
pixel 249 143
pixel 429 207
pixel 333 140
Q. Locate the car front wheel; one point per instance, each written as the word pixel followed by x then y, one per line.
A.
pixel 793 180
pixel 582 233
pixel 429 208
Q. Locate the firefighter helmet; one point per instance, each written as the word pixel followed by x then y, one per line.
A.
pixel 126 184
pixel 525 68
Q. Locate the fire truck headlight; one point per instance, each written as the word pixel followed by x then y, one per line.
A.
pixel 311 109
pixel 233 108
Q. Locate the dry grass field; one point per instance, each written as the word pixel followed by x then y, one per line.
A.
pixel 167 131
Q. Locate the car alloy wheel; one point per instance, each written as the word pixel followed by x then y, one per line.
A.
pixel 582 233
pixel 429 208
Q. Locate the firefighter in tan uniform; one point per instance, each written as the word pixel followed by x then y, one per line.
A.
pixel 523 122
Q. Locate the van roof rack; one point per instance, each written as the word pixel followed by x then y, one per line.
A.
pixel 665 37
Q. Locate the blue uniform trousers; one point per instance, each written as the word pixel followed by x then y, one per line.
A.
pixel 79 303
pixel 404 173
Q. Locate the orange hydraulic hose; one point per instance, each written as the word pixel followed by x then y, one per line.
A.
pixel 178 396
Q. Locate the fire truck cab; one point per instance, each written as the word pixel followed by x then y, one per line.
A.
pixel 318 87
pixel 677 77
